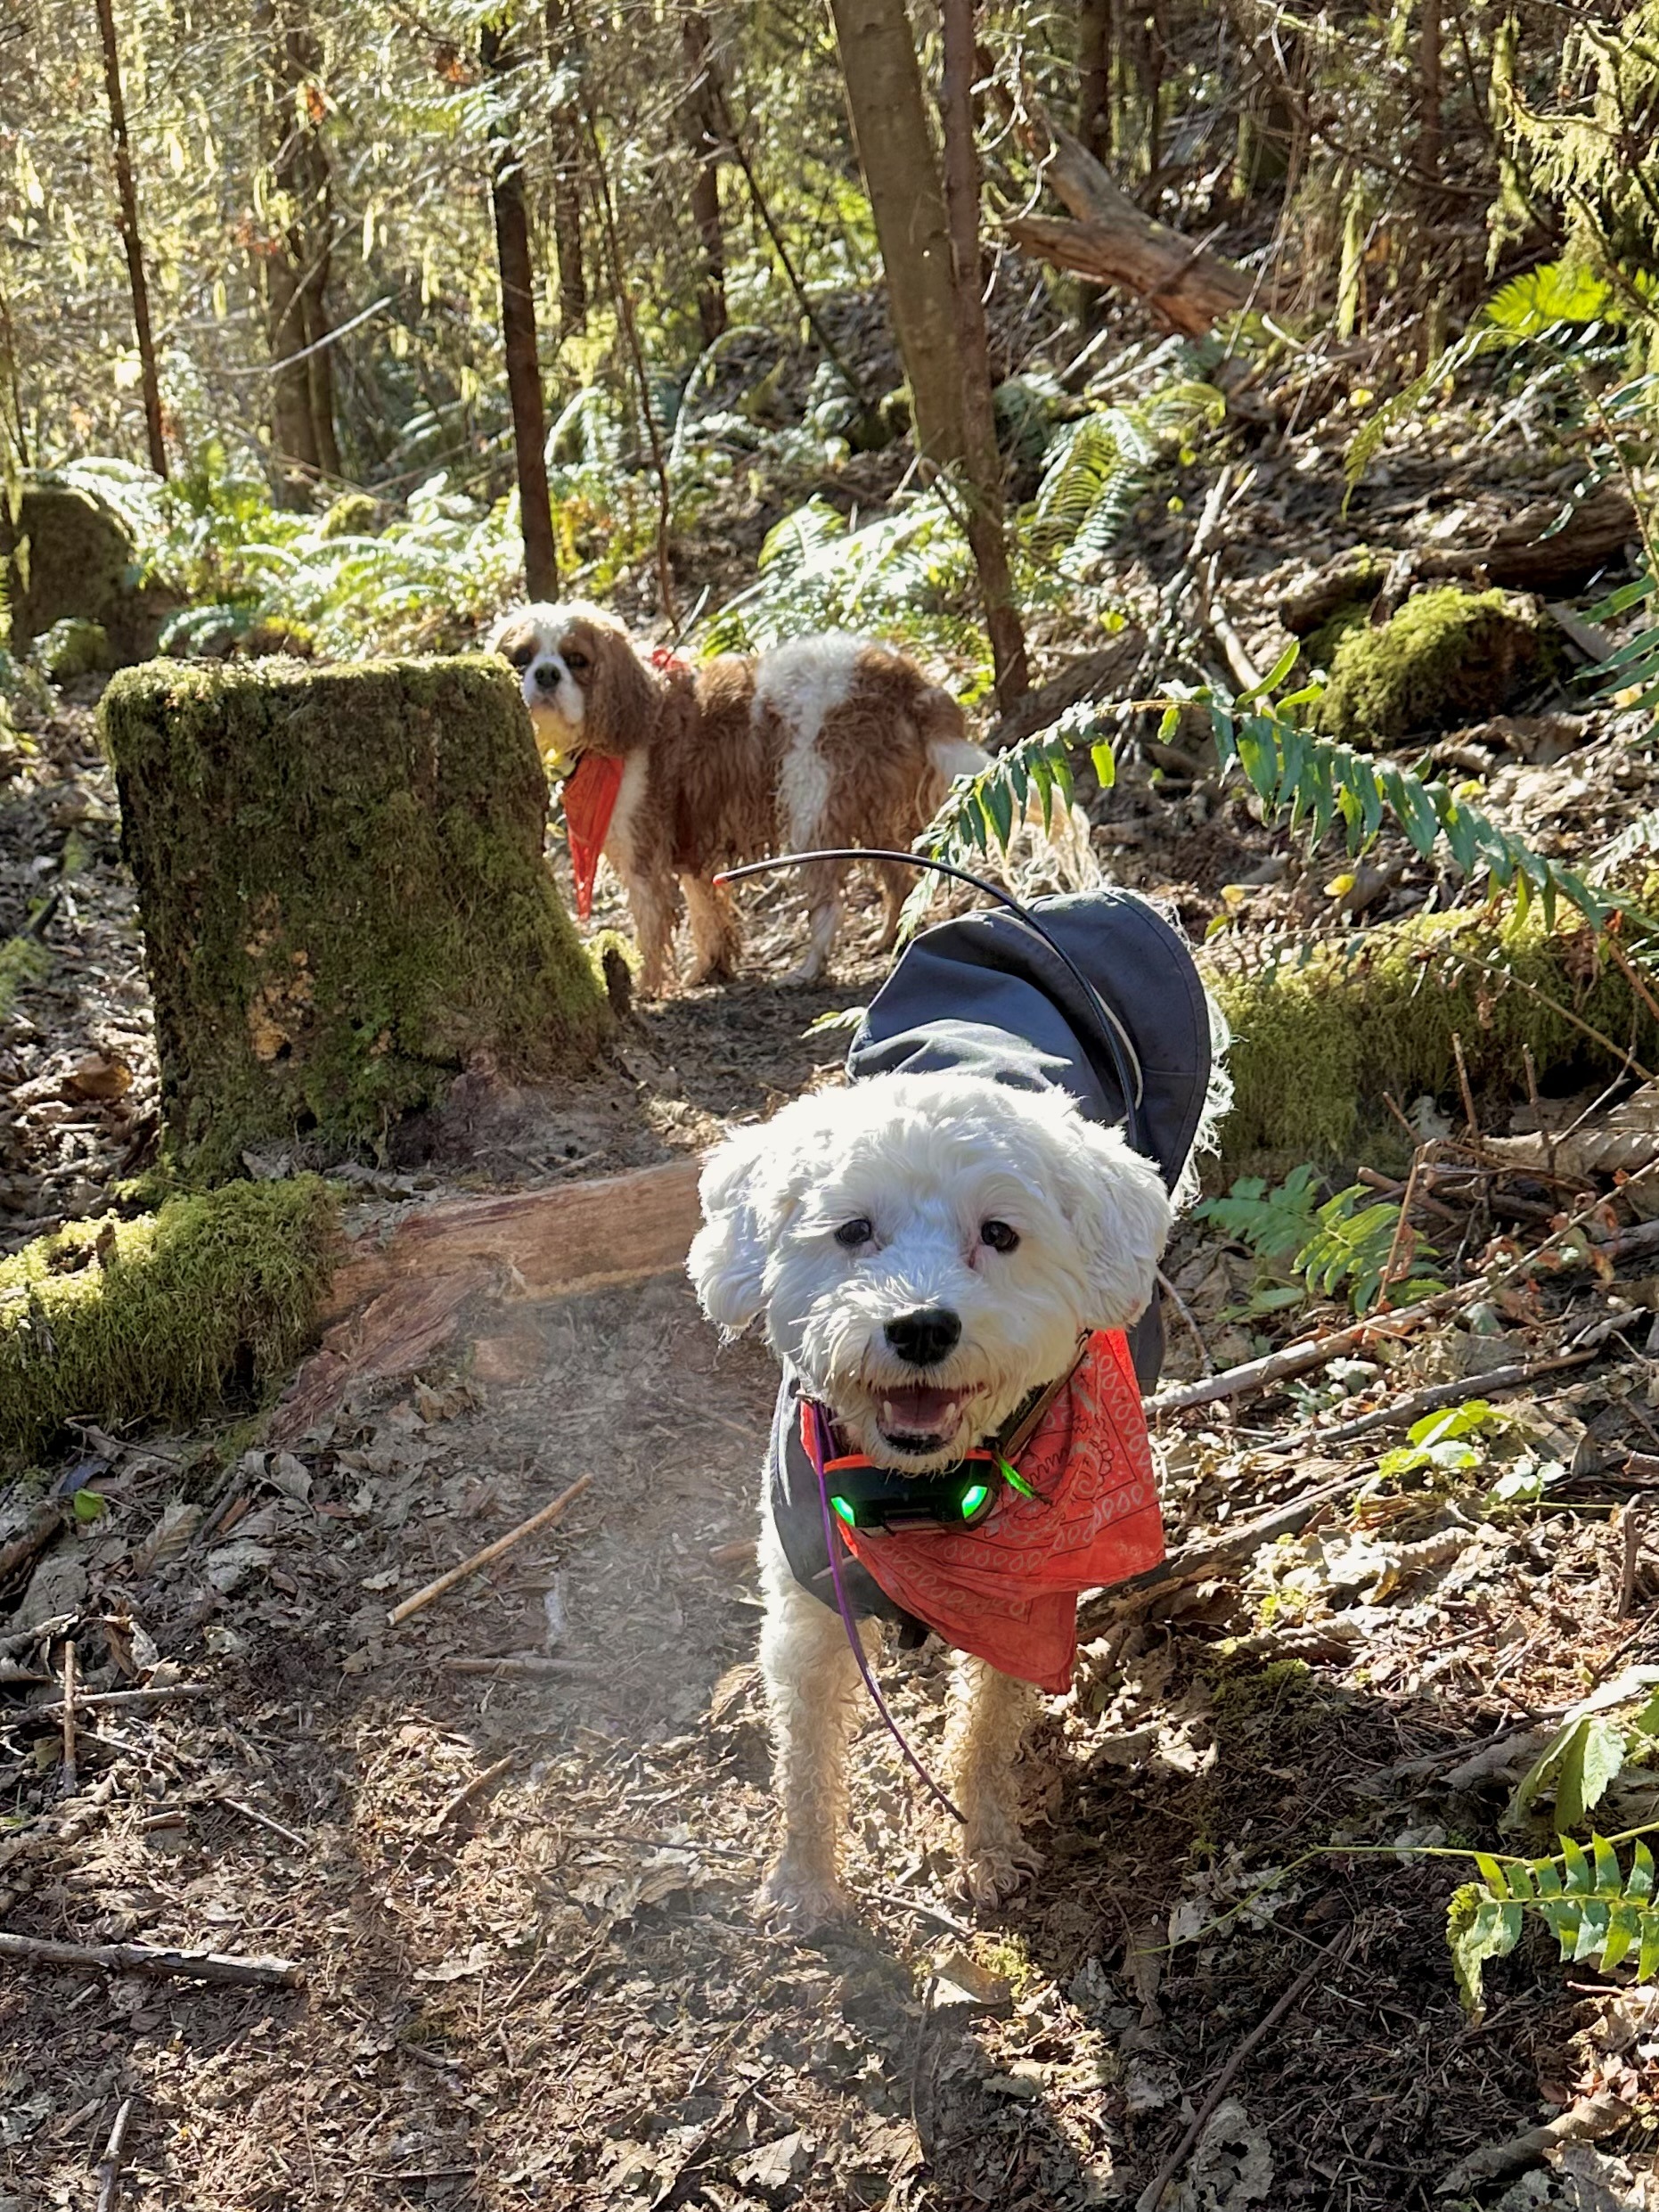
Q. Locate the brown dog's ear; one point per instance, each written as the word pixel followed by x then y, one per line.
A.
pixel 619 698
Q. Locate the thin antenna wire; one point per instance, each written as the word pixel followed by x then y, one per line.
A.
pixel 1125 1061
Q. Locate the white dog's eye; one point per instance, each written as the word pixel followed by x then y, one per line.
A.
pixel 851 1234
pixel 999 1236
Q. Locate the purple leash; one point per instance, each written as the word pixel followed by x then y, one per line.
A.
pixel 817 1452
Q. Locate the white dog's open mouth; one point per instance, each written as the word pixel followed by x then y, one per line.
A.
pixel 921 1418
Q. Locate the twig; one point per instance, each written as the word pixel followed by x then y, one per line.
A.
pixel 1405 1410
pixel 1152 2196
pixel 1296 1359
pixel 18 1639
pixel 113 2159
pixel 513 1665
pixel 146 1958
pixel 1463 1086
pixel 476 1788
pixel 486 1557
pixel 1206 1364
pixel 102 1701
pixel 1631 1531
pixel 66 1784
pixel 43 1524
pixel 264 1820
pixel 1586 2121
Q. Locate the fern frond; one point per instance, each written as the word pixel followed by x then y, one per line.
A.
pixel 1597 1913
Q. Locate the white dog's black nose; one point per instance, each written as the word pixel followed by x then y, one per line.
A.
pixel 548 674
pixel 924 1336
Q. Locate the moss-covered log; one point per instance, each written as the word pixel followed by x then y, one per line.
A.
pixel 1447 658
pixel 1317 1040
pixel 343 894
pixel 65 554
pixel 155 1319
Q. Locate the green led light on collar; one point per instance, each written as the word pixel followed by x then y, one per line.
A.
pixel 974 1497
pixel 843 1510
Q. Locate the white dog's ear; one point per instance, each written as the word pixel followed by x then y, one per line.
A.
pixel 1116 1200
pixel 728 1257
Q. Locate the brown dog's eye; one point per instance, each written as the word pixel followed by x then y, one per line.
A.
pixel 851 1234
pixel 999 1236
pixel 521 656
pixel 576 662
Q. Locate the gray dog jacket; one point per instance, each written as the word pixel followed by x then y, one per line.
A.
pixel 986 995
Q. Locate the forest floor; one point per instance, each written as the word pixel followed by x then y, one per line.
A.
pixel 549 1990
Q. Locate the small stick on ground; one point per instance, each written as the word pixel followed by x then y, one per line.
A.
pixel 1207 1366
pixel 146 1958
pixel 476 1788
pixel 114 2158
pixel 104 1701
pixel 69 1779
pixel 1402 1410
pixel 264 1820
pixel 1530 1066
pixel 1152 2196
pixel 1631 1529
pixel 488 1557
pixel 1463 1086
pixel 521 1665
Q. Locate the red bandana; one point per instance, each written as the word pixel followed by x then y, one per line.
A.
pixel 668 662
pixel 590 790
pixel 1007 1589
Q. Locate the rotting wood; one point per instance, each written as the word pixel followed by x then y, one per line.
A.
pixel 488 1557
pixel 1112 241
pixel 395 1303
pixel 146 1958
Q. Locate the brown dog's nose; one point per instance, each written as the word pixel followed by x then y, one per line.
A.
pixel 547 677
pixel 922 1338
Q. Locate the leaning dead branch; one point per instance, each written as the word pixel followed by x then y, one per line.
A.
pixel 145 1958
pixel 1402 1412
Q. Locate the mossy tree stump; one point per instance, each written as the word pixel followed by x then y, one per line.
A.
pixel 343 895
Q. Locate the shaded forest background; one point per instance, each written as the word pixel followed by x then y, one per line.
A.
pixel 327 209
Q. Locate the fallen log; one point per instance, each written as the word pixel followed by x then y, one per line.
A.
pixel 394 1303
pixel 1114 242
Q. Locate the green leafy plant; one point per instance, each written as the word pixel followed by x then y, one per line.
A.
pixel 1339 1246
pixel 1591 1749
pixel 1099 466
pixel 1598 1914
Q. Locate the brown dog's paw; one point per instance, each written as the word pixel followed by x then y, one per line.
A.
pixel 992 1875
pixel 797 1901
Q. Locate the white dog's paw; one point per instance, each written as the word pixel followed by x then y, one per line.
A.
pixel 799 1900
pixel 801 977
pixel 993 1872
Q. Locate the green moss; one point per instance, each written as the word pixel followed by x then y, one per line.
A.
pixel 1317 1040
pixel 1447 658
pixel 356 514
pixel 154 1319
pixel 343 894
pixel 74 647
pixel 65 552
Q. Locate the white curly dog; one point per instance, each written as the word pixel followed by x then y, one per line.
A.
pixel 925 1251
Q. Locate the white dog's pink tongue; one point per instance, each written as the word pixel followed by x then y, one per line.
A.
pixel 919 1410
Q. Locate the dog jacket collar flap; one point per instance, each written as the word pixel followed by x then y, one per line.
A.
pixel 590 796
pixel 1003 1580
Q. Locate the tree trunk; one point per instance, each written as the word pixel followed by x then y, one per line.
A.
pixel 1428 112
pixel 884 97
pixel 127 198
pixel 294 269
pixel 700 119
pixel 394 924
pixel 1113 243
pixel 565 131
pixel 983 464
pixel 1094 77
pixel 517 323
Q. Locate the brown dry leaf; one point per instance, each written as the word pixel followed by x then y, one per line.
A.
pixel 178 1523
pixel 1619 1141
pixel 99 1075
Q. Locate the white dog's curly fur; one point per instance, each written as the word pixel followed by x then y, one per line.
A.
pixel 852 1215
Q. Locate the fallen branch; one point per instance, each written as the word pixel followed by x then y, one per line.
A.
pixel 488 1557
pixel 43 1524
pixel 1215 1555
pixel 1587 2121
pixel 144 1958
pixel 476 1788
pixel 65 1706
pixel 516 1666
pixel 114 2158
pixel 1152 2196
pixel 1400 1413
pixel 264 1820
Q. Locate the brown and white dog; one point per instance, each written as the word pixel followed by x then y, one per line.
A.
pixel 831 740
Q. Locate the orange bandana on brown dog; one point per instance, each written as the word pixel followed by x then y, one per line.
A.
pixel 1007 1588
pixel 590 790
